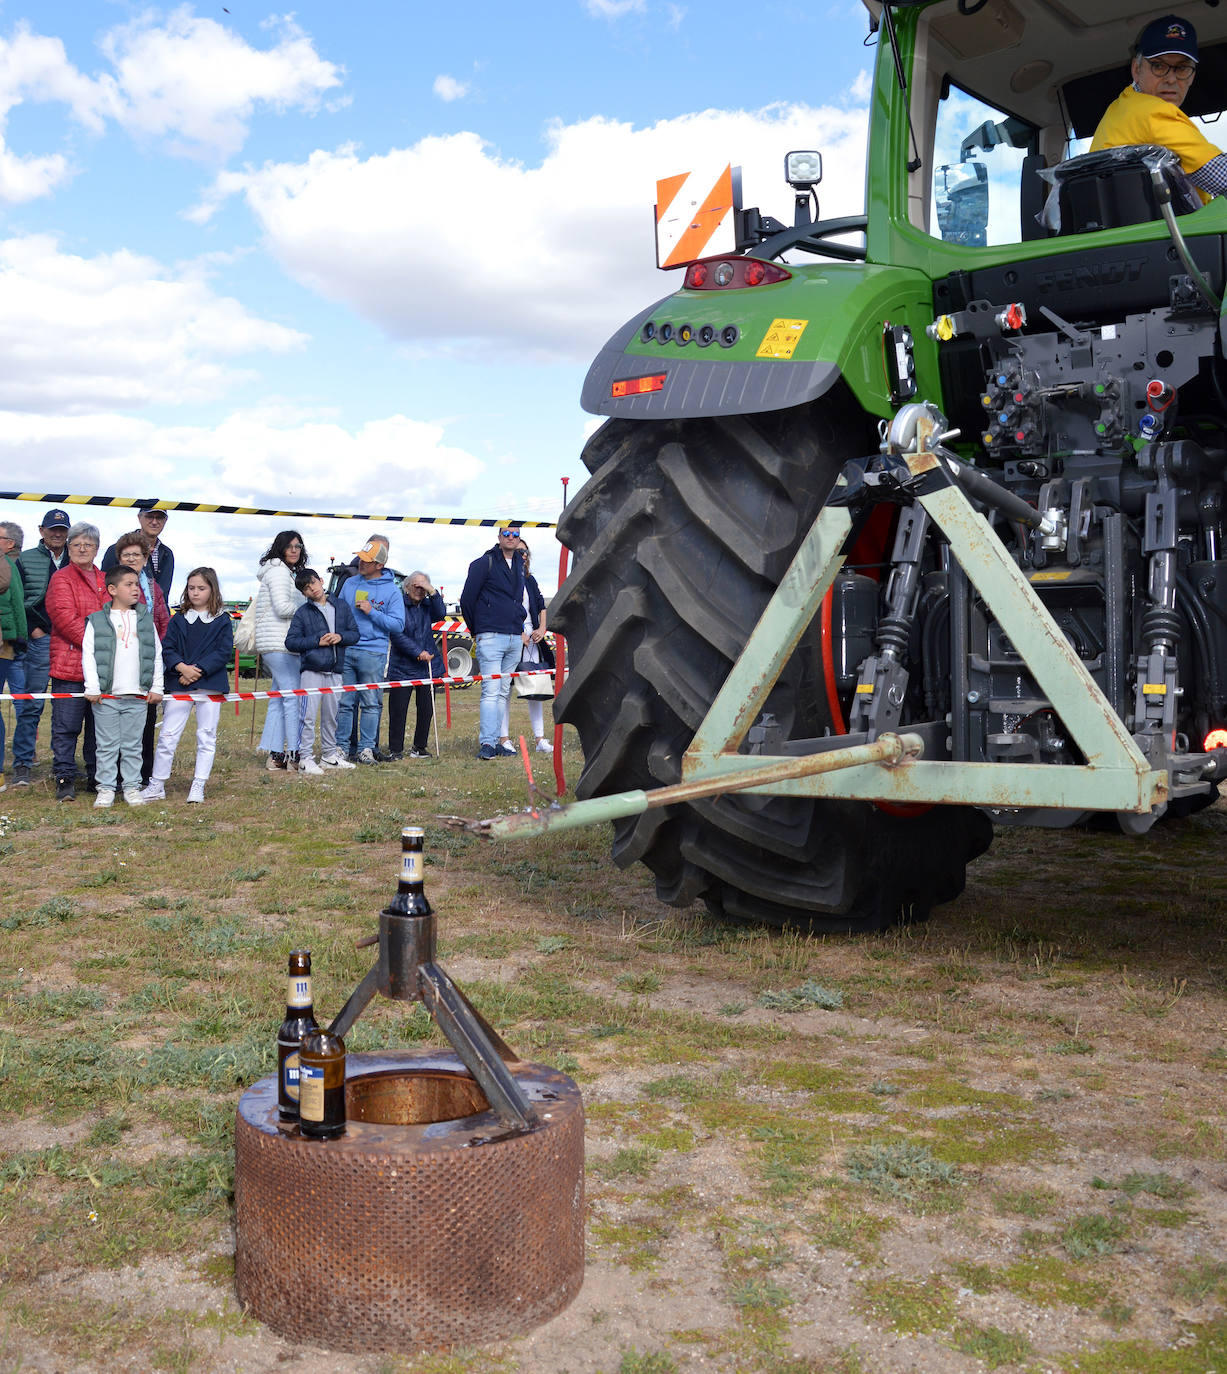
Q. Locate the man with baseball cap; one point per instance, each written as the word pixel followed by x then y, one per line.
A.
pixel 161 566
pixel 492 604
pixel 378 607
pixel 1164 65
pixel 38 564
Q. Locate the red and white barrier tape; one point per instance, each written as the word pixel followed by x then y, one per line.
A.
pixel 289 692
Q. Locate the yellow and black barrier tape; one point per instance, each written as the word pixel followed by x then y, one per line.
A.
pixel 62 498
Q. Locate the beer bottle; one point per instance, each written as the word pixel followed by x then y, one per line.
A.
pixel 299 1019
pixel 321 1069
pixel 410 899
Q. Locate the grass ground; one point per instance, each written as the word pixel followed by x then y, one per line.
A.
pixel 993 1141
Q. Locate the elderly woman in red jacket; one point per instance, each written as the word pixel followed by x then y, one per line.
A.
pixel 75 592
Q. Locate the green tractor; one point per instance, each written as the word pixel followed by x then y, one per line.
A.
pixel 950 472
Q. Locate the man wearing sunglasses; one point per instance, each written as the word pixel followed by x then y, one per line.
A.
pixel 1164 65
pixel 492 604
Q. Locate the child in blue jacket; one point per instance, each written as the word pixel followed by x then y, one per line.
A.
pixel 321 630
pixel 196 656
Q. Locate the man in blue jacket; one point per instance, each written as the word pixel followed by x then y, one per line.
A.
pixel 375 599
pixel 492 604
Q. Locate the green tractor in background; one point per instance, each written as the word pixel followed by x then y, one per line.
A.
pixel 954 468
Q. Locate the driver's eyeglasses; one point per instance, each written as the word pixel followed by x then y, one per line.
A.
pixel 1182 71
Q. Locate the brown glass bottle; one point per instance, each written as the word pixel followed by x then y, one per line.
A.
pixel 299 1019
pixel 410 899
pixel 321 1069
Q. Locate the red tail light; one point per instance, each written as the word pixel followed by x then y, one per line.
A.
pixel 1216 739
pixel 729 273
pixel 638 386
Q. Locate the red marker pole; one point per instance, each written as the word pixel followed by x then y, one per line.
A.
pixel 560 658
pixel 236 679
pixel 447 681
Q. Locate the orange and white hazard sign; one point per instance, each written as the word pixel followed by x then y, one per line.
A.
pixel 696 216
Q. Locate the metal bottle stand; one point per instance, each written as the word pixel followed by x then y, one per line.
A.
pixel 407 972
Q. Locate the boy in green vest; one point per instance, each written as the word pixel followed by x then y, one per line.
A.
pixel 121 658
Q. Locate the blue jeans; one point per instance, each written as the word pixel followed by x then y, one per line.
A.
pixel 281 724
pixel 495 654
pixel 12 679
pixel 361 665
pixel 37 667
pixel 67 717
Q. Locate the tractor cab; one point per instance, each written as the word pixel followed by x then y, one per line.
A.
pixel 1002 94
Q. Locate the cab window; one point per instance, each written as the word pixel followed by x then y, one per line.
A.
pixel 980 158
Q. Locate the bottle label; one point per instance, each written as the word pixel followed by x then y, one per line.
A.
pixel 298 990
pixel 311 1092
pixel 290 1076
pixel 411 866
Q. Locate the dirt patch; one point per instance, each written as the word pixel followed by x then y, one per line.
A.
pixel 997 1140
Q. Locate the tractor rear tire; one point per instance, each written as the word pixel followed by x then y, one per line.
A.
pixel 680 537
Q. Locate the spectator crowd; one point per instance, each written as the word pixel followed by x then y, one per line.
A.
pixel 108 639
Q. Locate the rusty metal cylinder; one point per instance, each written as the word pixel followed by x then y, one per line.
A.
pixel 434 1225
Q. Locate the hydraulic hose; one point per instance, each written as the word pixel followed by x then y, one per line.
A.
pixel 982 488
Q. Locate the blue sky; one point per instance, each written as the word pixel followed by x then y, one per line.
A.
pixel 359 257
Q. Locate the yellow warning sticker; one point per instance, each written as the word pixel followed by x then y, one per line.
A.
pixel 864 689
pixel 781 338
pixel 1057 575
pixel 1154 689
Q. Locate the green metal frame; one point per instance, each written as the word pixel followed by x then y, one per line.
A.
pixel 1116 776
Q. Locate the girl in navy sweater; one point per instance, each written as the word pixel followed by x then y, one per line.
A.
pixel 196 653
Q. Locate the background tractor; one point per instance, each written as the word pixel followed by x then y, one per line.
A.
pixel 952 468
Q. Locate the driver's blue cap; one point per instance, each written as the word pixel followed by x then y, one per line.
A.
pixel 1168 36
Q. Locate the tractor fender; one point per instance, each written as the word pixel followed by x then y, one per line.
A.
pixel 697 387
pixel 837 312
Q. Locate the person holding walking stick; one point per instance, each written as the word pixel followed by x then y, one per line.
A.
pixel 414 654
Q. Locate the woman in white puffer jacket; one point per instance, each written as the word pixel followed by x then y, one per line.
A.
pixel 276 601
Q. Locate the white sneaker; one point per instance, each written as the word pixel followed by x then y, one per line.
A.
pixel 105 797
pixel 195 793
pixel 132 795
pixel 156 791
pixel 310 766
pixel 507 749
pixel 544 746
pixel 367 756
pixel 337 761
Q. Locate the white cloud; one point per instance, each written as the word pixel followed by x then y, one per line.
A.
pixel 117 330
pixel 197 83
pixel 389 466
pixel 28 178
pixel 188 82
pixel 448 88
pixel 613 9
pixel 862 84
pixel 558 255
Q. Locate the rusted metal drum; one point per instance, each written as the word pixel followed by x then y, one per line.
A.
pixel 426 1225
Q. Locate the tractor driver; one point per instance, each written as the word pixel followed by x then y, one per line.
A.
pixel 1164 65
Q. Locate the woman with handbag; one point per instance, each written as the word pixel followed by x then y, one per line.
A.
pixel 537 655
